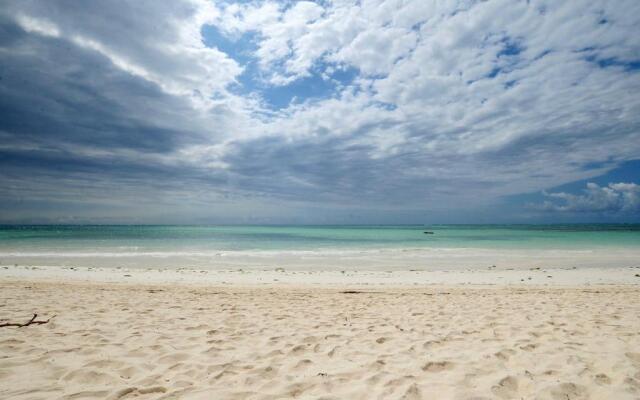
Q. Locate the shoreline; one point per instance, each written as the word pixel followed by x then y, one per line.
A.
pixel 383 259
pixel 496 277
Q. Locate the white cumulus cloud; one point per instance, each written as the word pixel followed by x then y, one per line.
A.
pixel 614 198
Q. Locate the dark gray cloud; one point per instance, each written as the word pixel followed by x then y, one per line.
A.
pixel 57 92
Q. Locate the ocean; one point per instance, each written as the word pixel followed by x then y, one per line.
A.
pixel 228 246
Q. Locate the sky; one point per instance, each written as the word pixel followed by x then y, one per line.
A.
pixel 328 112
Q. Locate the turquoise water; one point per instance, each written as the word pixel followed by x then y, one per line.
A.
pixel 62 239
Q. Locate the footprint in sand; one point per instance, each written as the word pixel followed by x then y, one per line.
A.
pixel 297 389
pixel 507 388
pixel 529 347
pixel 431 343
pixel 89 377
pixel 333 351
pixel 268 372
pixel 302 364
pixel 135 392
pixel 634 357
pixel 569 390
pixel 602 379
pixel 376 378
pixel 412 393
pixel 173 358
pixel 129 372
pixel 505 354
pixel 196 328
pixel 437 366
pixel 633 384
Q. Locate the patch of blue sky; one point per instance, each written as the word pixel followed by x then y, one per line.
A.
pixel 632 65
pixel 606 62
pixel 313 87
pixel 511 48
pixel 385 106
pixel 494 72
pixel 510 84
pixel 506 59
pixel 325 81
pixel 239 48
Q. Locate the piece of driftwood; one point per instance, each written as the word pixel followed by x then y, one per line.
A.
pixel 30 322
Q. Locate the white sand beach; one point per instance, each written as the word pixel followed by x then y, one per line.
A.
pixel 125 334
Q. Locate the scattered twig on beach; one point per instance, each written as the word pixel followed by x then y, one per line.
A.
pixel 30 322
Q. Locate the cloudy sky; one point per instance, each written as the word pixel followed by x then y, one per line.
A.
pixel 371 111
